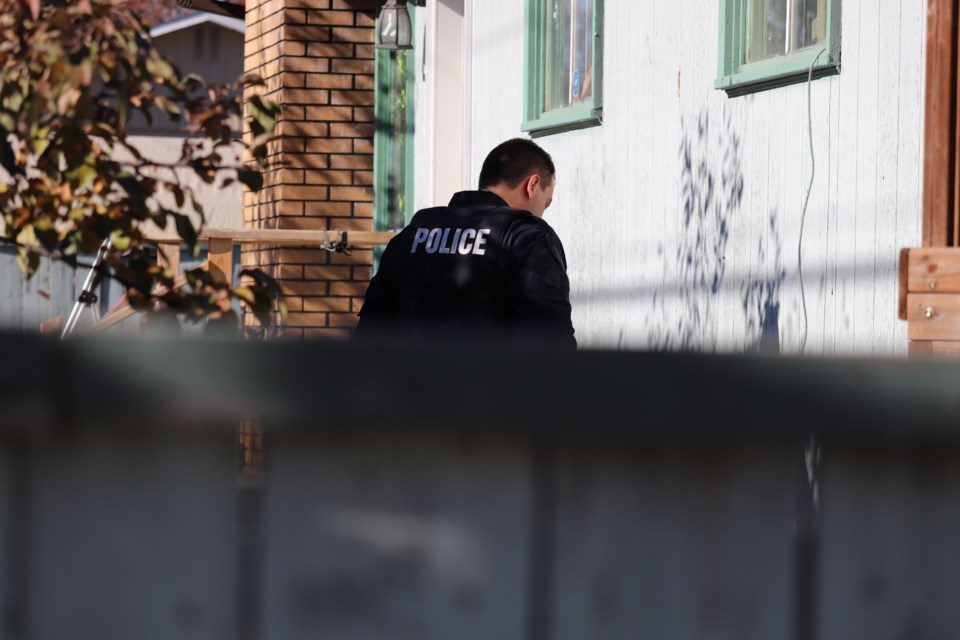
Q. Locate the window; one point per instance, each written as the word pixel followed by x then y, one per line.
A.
pixel 394 84
pixel 563 65
pixel 393 139
pixel 771 43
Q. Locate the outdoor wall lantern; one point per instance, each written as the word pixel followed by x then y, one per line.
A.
pixel 395 32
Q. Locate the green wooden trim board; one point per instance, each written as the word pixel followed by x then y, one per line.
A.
pixel 737 77
pixel 587 113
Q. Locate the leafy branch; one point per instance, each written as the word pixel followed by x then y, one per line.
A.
pixel 72 75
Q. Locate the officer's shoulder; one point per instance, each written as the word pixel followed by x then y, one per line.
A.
pixel 530 227
pixel 426 214
pixel 419 219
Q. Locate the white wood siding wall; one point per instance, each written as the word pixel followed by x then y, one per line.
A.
pixel 680 215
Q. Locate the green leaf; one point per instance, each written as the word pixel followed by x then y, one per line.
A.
pixel 7 157
pixel 7 123
pixel 27 236
pixel 198 208
pixel 169 106
pixel 40 143
pixel 263 112
pixel 161 68
pixel 13 102
pixel 246 294
pixel 130 184
pixel 186 231
pixel 259 146
pixel 46 233
pixel 120 240
pixel 159 218
pixel 251 80
pixel 28 261
pixel 252 178
pixel 82 176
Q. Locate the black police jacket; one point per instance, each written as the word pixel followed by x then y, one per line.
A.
pixel 475 266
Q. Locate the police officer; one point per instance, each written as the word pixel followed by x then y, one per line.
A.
pixel 485 264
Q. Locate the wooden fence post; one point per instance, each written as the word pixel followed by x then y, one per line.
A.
pixel 220 254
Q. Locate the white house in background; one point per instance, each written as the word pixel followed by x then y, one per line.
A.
pixel 206 44
pixel 680 135
pixel 210 46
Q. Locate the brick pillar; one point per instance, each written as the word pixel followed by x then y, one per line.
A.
pixel 317 59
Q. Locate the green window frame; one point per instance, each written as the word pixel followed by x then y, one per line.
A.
pixel 738 77
pixel 537 119
pixel 393 140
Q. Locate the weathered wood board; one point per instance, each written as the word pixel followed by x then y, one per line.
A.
pixel 131 535
pixel 396 537
pixel 544 503
pixel 673 541
pixel 890 562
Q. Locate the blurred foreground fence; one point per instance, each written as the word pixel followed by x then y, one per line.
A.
pixel 474 492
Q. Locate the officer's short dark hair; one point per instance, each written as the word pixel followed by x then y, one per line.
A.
pixel 512 161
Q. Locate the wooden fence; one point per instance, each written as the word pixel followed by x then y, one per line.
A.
pixel 474 491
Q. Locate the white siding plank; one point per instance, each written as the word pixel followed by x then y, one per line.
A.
pixel 816 224
pixel 776 219
pixel 820 212
pixel 847 178
pixel 831 311
pixel 866 178
pixel 888 122
pixel 909 217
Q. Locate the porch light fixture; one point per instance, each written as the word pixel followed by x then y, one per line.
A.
pixel 394 32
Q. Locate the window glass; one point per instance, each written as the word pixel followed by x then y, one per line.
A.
pixel 563 65
pixel 766 44
pixel 569 53
pixel 781 27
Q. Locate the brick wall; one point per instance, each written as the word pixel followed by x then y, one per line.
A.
pixel 317 59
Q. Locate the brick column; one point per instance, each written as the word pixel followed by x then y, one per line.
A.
pixel 317 59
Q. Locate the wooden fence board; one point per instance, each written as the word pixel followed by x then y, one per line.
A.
pixel 708 558
pixel 934 270
pixel 11 291
pixel 890 563
pixel 6 544
pixel 935 348
pixel 939 160
pixel 132 536
pixel 407 538
pixel 933 316
pixel 395 507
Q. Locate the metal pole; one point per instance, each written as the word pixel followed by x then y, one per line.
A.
pixel 87 297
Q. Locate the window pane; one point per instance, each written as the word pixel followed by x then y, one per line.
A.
pixel 766 29
pixel 568 53
pixel 581 85
pixel 809 23
pixel 779 27
pixel 557 54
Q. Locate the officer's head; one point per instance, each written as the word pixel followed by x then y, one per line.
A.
pixel 521 173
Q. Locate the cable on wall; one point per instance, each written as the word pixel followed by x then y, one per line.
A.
pixel 806 201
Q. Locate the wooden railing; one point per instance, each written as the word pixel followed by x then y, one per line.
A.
pixel 930 299
pixel 220 244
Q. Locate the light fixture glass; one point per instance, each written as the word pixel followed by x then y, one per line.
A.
pixel 394 31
